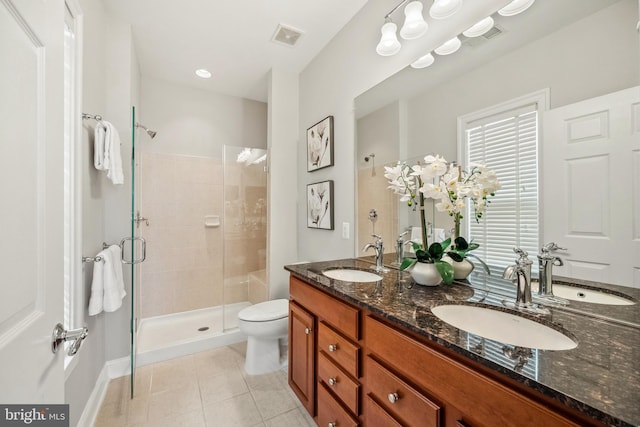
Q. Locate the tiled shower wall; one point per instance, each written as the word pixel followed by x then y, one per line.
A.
pixel 186 267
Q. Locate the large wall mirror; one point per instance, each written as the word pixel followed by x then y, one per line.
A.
pixel 574 51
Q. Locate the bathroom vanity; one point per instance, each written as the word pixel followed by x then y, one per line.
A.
pixel 372 353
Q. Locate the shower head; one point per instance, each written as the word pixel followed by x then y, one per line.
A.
pixel 369 157
pixel 151 133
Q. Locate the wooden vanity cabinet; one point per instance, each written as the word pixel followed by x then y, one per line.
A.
pixel 355 368
pixel 325 355
pixel 302 355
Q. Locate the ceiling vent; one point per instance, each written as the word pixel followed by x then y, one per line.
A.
pixel 287 36
pixel 495 31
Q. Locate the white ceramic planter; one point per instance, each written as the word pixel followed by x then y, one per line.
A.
pixel 462 269
pixel 425 274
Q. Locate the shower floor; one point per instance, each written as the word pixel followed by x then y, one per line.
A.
pixel 174 335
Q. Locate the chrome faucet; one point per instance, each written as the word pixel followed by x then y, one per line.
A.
pixel 379 248
pixel 546 261
pixel 521 273
pixel 400 242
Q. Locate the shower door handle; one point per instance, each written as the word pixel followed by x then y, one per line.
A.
pixel 144 250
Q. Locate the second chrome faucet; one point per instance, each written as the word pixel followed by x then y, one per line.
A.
pixel 378 246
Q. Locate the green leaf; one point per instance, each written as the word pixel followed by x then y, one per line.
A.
pixel 461 243
pixel 473 246
pixel 407 262
pixel 445 243
pixel 446 271
pixel 416 246
pixel 436 251
pixel 422 255
pixel 454 255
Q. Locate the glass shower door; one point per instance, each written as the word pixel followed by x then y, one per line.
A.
pixel 245 230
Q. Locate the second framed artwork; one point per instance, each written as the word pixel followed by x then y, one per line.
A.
pixel 320 145
pixel 320 205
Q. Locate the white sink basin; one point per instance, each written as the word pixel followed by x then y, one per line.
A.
pixel 503 327
pixel 589 295
pixel 352 275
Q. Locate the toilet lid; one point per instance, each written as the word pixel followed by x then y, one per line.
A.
pixel 265 311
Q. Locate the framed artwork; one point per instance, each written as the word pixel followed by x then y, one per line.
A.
pixel 320 205
pixel 320 145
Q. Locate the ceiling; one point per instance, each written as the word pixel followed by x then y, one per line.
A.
pixel 232 38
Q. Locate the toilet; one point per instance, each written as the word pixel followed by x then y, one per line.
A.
pixel 264 324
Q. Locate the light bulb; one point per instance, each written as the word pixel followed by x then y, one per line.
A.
pixel 423 61
pixel 449 46
pixel 414 24
pixel 479 28
pixel 442 9
pixel 202 73
pixel 389 44
pixel 515 7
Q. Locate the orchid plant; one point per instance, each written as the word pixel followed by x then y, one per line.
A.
pixel 453 189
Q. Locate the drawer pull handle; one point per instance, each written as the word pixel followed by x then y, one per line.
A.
pixel 333 347
pixel 307 331
pixel 332 381
pixel 393 397
pixel 332 424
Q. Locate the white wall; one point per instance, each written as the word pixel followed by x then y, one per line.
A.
pixel 283 146
pixel 110 84
pixel 343 70
pixel 198 122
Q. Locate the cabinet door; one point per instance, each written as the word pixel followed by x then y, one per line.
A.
pixel 302 355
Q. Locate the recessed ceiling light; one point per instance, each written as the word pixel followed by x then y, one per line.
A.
pixel 480 28
pixel 205 74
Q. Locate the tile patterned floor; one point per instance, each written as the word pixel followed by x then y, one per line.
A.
pixel 208 389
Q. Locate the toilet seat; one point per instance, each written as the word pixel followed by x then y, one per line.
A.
pixel 265 311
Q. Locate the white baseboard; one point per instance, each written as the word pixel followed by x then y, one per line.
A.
pixel 112 369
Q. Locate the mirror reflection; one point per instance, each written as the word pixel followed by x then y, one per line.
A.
pixel 577 62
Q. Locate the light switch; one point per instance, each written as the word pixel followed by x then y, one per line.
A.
pixel 345 230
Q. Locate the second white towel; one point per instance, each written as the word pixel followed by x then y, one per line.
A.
pixel 106 155
pixel 107 288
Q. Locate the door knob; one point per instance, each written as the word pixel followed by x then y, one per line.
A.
pixel 61 335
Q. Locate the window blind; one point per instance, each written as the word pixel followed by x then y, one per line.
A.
pixel 506 142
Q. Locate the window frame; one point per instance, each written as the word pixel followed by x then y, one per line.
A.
pixel 538 98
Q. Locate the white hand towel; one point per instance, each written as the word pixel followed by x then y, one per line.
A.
pixel 96 303
pixel 107 156
pixel 113 159
pixel 98 146
pixel 113 281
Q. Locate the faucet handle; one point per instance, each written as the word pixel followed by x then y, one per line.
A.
pixel 552 246
pixel 377 237
pixel 522 253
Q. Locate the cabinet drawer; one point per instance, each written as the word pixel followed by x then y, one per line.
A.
pixel 398 398
pixel 455 383
pixel 339 349
pixel 330 412
pixel 339 382
pixel 376 415
pixel 341 316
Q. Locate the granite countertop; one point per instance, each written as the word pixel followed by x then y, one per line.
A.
pixel 601 377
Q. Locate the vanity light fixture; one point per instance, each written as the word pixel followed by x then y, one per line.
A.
pixel 449 47
pixel 389 44
pixel 423 61
pixel 479 28
pixel 515 7
pixel 442 9
pixel 414 24
pixel 203 73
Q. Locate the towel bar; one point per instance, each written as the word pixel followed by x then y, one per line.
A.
pixel 121 244
pixel 92 259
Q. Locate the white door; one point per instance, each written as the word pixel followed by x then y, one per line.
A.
pixel 31 197
pixel 591 187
